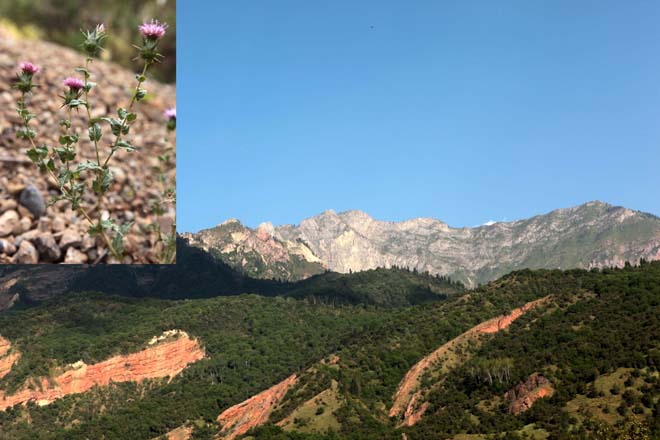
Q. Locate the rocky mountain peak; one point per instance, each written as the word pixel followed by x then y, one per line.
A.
pixel 593 234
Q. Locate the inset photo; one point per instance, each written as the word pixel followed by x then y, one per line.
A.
pixel 88 132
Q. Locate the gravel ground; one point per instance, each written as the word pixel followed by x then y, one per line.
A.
pixel 30 231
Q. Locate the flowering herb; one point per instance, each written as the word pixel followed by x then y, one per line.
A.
pixel 170 117
pixel 167 253
pixel 58 161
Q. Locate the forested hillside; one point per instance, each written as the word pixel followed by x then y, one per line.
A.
pixel 595 341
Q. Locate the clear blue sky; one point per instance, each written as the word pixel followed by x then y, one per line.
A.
pixel 466 111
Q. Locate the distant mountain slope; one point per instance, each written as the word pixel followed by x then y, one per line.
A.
pixel 594 234
pixel 198 275
pixel 382 287
pixel 259 253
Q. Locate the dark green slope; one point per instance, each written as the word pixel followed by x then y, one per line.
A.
pixel 383 287
pixel 198 275
pixel 599 328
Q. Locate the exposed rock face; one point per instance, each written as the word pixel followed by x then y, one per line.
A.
pixel 258 253
pixel 523 395
pixel 7 357
pixel 255 411
pixel 409 404
pixel 591 235
pixel 162 359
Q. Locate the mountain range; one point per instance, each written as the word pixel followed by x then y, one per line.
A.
pixel 200 350
pixel 594 234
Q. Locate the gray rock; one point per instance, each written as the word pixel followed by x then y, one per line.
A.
pixel 70 238
pixel 32 199
pixel 59 224
pixel 48 248
pixel 7 247
pixel 354 241
pixel 8 222
pixel 7 204
pixel 27 253
pixel 74 256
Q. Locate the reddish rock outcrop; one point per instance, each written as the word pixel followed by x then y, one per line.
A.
pixel 7 357
pixel 523 395
pixel 254 411
pixel 165 357
pixel 408 403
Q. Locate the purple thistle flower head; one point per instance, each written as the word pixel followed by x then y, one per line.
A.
pixel 153 30
pixel 74 83
pixel 170 113
pixel 29 68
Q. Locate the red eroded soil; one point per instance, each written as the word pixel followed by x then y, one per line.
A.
pixel 7 358
pixel 254 411
pixel 408 400
pixel 167 358
pixel 523 395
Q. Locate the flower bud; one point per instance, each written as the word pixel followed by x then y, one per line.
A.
pixel 28 68
pixel 93 40
pixel 153 30
pixel 75 84
pixel 170 116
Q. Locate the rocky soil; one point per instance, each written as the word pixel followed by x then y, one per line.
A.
pixel 33 232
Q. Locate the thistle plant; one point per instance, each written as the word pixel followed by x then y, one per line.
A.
pixel 59 162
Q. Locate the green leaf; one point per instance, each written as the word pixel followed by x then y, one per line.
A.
pixel 33 155
pixel 68 139
pixel 140 94
pixel 88 165
pixel 74 103
pixel 64 177
pixel 26 133
pixel 95 133
pixel 66 154
pixel 103 181
pixel 131 117
pixel 115 126
pixel 124 145
pixel 122 112
pixel 82 70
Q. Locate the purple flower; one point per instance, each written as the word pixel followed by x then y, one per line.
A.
pixel 153 30
pixel 74 83
pixel 29 68
pixel 170 113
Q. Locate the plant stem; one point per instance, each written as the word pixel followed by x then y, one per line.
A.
pixel 130 107
pixel 62 188
pixel 99 173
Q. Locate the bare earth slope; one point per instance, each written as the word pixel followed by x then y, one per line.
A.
pixel 408 403
pixel 166 355
pixel 594 234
